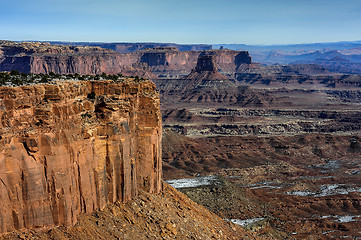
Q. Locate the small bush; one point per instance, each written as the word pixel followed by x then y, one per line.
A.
pixel 14 72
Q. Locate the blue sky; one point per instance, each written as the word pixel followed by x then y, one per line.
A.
pixel 182 21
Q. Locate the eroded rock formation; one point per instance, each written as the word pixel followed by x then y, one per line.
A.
pixel 206 70
pixel 73 147
pixel 163 62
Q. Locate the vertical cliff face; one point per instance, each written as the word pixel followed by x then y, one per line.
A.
pixel 162 62
pixel 21 63
pixel 73 147
pixel 206 63
pixel 206 71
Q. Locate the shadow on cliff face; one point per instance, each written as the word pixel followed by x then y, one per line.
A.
pixel 101 109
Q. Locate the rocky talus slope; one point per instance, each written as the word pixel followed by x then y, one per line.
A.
pixel 167 215
pixel 72 147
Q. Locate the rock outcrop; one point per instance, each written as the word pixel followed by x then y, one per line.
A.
pixel 73 147
pixel 206 63
pixel 206 70
pixel 162 62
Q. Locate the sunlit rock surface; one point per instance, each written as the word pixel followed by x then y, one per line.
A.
pixel 73 147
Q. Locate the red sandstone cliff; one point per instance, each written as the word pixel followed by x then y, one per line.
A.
pixel 164 62
pixel 73 147
pixel 206 70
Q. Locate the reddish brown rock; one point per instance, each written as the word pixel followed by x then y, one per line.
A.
pixel 168 215
pixel 73 147
pixel 206 70
pixel 165 62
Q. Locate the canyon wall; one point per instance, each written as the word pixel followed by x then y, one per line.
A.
pixel 162 62
pixel 153 63
pixel 73 147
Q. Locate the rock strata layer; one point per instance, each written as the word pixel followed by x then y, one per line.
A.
pixel 73 147
pixel 206 70
pixel 162 62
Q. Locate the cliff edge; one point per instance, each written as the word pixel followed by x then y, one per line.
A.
pixel 157 63
pixel 73 147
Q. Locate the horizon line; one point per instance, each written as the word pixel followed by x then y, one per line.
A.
pixel 211 44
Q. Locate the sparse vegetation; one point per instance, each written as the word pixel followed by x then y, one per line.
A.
pixel 15 78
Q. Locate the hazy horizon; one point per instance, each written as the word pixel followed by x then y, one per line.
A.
pixel 212 44
pixel 259 22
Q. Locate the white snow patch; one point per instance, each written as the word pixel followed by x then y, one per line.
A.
pixel 193 182
pixel 343 219
pixel 327 190
pixel 348 218
pixel 266 184
pixel 245 222
pixel 300 193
